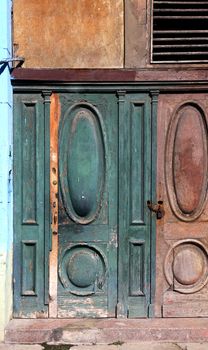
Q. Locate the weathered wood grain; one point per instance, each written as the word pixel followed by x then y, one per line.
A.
pixel 182 250
pixel 53 256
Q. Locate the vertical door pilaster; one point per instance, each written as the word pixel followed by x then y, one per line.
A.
pixel 122 199
pixel 46 100
pixel 154 105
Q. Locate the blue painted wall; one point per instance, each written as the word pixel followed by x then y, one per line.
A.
pixel 6 225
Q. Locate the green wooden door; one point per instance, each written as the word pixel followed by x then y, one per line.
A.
pixel 104 223
pixel 134 176
pixel 106 246
pixel 88 157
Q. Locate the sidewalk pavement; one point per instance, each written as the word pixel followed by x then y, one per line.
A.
pixel 137 346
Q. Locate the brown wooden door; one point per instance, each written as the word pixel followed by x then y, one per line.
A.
pixel 182 245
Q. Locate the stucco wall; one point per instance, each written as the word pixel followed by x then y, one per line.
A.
pixel 69 33
pixel 137 33
pixel 5 170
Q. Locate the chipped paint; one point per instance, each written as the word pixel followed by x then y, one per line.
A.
pixel 6 292
pixel 53 257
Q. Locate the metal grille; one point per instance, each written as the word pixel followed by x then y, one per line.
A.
pixel 180 31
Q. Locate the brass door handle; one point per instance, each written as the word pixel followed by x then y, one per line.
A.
pixel 157 208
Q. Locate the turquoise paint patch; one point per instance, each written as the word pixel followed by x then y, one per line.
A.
pixel 5 131
pixel 6 221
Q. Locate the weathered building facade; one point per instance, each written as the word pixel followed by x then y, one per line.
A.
pixel 110 159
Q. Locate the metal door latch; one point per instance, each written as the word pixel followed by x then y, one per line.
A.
pixel 156 208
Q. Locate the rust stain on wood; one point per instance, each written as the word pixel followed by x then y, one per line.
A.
pixel 53 258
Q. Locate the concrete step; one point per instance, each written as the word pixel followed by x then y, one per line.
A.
pixel 106 331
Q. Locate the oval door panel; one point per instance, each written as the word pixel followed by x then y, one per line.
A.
pixel 82 166
pixel 186 165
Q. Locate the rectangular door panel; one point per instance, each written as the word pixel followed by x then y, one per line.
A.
pixel 134 216
pixel 30 216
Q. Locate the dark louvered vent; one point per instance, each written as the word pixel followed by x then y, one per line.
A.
pixel 180 31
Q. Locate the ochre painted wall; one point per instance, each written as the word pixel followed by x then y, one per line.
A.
pixel 69 33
